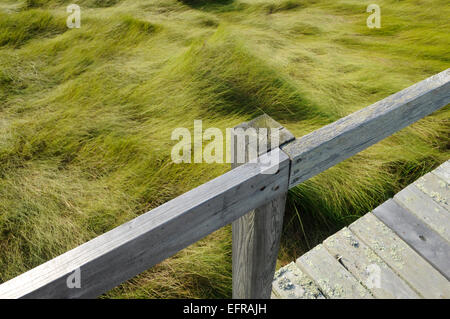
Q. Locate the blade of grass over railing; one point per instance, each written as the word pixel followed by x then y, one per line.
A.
pixel 331 144
pixel 145 241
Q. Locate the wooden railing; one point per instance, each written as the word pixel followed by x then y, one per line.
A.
pixel 245 196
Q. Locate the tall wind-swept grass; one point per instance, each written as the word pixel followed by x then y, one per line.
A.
pixel 86 116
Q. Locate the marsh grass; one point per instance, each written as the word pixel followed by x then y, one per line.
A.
pixel 86 116
pixel 17 28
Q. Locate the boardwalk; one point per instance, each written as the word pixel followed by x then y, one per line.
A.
pixel 367 260
pixel 399 250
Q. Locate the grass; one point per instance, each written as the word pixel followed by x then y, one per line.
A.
pixel 86 116
pixel 16 30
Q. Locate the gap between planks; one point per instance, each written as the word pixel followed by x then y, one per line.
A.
pixel 349 280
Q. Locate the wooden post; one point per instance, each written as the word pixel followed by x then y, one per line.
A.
pixel 256 235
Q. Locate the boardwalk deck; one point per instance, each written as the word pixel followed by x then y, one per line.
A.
pixel 400 250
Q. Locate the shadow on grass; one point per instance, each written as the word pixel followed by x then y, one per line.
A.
pixel 214 5
pixel 229 79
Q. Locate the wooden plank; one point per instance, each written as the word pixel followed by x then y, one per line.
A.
pixel 265 121
pixel 331 277
pixel 436 188
pixel 291 283
pixel 415 270
pixel 252 129
pixel 137 245
pixel 420 237
pixel 256 241
pixel 256 235
pixel 367 267
pixel 331 144
pixel 443 171
pixel 426 209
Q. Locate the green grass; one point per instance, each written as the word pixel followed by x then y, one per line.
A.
pixel 17 29
pixel 86 116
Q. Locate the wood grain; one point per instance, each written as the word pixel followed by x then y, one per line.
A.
pixel 256 236
pixel 400 257
pixel 362 262
pixel 145 241
pixel 426 209
pixel 256 241
pixel 416 234
pixel 436 188
pixel 331 144
pixel 331 277
pixel 443 171
pixel 291 283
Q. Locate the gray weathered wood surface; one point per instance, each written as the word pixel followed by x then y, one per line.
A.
pixel 331 144
pixel 362 262
pixel 333 279
pixel 426 209
pixel 398 251
pixel 443 171
pixel 135 246
pixel 256 235
pixel 436 188
pixel 256 241
pixel 410 266
pixel 425 241
pixel 291 283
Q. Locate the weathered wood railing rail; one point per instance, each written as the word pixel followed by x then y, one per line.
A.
pixel 118 255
